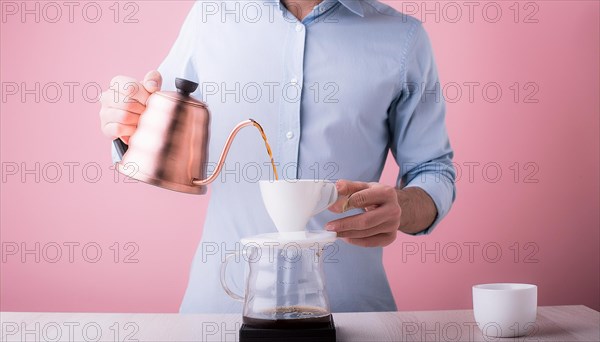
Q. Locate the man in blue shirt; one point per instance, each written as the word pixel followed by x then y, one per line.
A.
pixel 336 84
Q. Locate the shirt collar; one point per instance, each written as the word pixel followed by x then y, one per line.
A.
pixel 354 6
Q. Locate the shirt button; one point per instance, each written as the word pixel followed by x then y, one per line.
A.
pixel 299 27
pixel 294 80
pixel 289 135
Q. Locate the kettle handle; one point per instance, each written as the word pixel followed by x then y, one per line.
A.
pixel 120 146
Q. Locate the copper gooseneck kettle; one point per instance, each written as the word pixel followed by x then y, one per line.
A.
pixel 170 145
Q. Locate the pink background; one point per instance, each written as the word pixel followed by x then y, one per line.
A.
pixel 551 226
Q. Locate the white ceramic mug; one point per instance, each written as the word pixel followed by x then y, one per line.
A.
pixel 291 203
pixel 505 309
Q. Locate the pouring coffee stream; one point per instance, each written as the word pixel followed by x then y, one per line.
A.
pixel 170 145
pixel 264 136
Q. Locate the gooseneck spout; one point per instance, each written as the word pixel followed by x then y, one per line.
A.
pixel 221 161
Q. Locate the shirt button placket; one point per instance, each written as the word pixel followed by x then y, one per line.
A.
pixel 292 88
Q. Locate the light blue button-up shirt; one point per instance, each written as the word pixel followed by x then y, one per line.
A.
pixel 334 93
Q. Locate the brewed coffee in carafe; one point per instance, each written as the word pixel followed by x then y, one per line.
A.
pixel 289 317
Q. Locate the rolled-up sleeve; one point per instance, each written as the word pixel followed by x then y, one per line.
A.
pixel 419 139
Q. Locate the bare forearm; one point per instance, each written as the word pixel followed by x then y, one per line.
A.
pixel 418 210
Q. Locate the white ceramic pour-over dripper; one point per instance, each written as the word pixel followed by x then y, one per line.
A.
pixel 291 203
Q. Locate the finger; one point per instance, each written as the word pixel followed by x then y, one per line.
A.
pixel 116 130
pixel 339 205
pixel 367 198
pixel 152 81
pixel 347 188
pixel 118 116
pixel 379 240
pixel 130 88
pixel 113 99
pixel 361 221
pixel 364 233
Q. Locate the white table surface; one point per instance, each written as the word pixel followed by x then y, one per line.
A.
pixel 554 323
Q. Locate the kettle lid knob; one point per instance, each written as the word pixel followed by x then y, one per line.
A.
pixel 185 87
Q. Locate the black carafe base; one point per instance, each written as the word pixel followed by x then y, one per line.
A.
pixel 322 333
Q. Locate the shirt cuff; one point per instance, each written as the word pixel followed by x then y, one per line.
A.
pixel 441 191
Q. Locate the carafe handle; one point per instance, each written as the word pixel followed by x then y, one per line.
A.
pixel 224 281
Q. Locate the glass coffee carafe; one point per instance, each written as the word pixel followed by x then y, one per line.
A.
pixel 285 286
